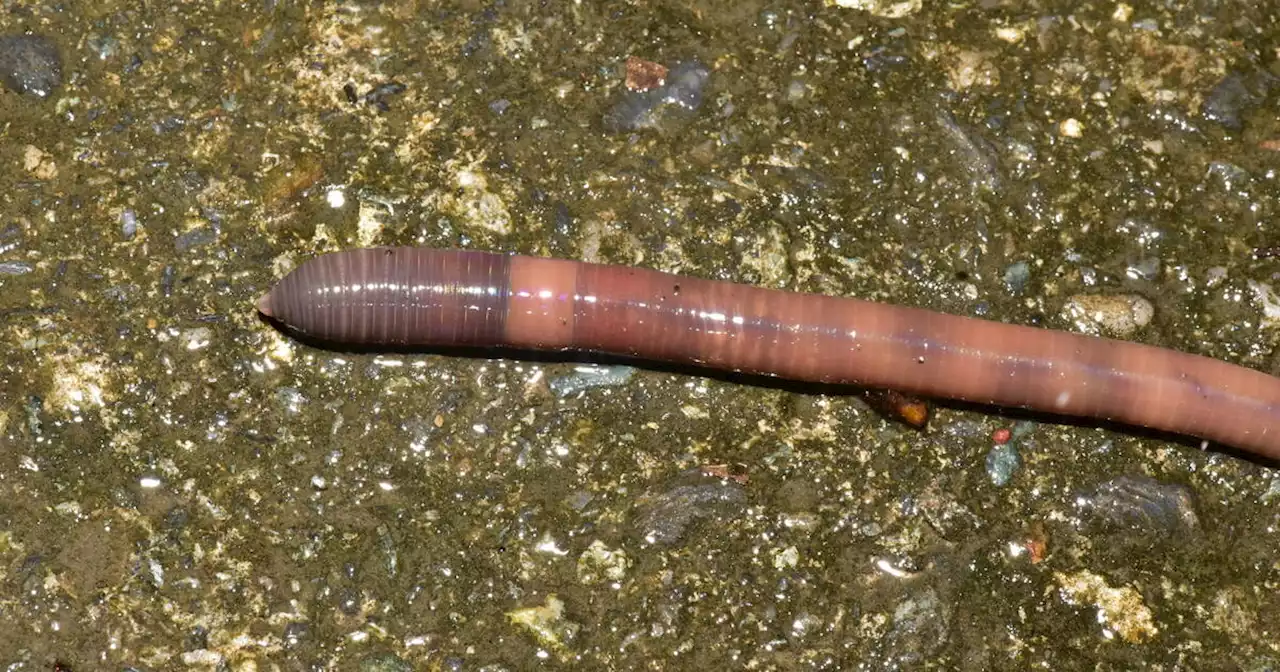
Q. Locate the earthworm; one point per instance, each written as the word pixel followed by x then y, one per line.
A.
pixel 419 297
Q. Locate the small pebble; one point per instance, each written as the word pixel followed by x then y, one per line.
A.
pixel 684 91
pixel 1115 315
pixel 1228 175
pixel 921 626
pixel 291 399
pixel 1120 609
pixel 686 83
pixel 599 563
pixel 1002 461
pixel 1141 504
pixel 1265 295
pixel 548 623
pixel 1016 276
pixel 665 519
pixel 295 632
pixel 888 9
pixel 195 238
pixel 643 75
pixel 128 224
pixel 384 662
pixel 586 377
pixel 196 338
pixel 1231 100
pixel 30 64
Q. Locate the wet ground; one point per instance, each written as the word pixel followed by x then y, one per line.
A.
pixel 182 487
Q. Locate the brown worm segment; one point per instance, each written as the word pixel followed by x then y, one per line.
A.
pixel 407 297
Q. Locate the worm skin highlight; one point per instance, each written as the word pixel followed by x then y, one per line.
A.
pixel 406 297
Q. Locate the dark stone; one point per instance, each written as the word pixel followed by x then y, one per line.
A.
pixel 30 64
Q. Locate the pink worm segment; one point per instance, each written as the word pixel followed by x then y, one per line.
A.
pixel 429 297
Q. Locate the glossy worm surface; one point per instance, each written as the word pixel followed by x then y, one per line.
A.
pixel 429 297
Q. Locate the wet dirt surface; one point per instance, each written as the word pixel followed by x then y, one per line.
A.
pixel 183 487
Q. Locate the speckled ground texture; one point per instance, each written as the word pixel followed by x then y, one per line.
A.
pixel 182 487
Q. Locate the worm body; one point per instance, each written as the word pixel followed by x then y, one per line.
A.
pixel 428 297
